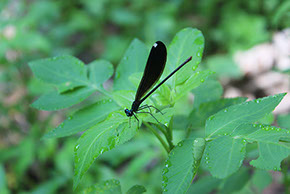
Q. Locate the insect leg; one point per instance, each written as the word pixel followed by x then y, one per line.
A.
pixel 137 119
pixel 145 106
pixel 150 114
pixel 155 108
pixel 148 106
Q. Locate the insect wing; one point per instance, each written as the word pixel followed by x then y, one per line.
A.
pixel 153 70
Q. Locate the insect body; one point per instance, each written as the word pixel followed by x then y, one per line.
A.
pixel 153 71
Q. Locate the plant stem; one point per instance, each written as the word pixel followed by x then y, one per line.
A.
pixel 170 137
pixel 158 136
pixel 166 134
pixel 161 129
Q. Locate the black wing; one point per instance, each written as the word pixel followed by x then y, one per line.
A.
pixel 153 70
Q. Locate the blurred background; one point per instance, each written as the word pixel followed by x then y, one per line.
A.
pixel 247 45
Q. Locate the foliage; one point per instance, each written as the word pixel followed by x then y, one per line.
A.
pixel 229 123
pixel 106 40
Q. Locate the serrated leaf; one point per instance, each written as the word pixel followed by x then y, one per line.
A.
pixel 100 71
pixel 105 187
pixel 270 156
pixel 83 119
pixel 134 60
pixel 100 138
pixel 227 120
pixel 179 168
pixel 271 151
pixel 192 82
pixel 198 116
pixel 224 155
pixel 55 101
pixel 267 134
pixel 65 72
pixel 188 42
pixel 136 189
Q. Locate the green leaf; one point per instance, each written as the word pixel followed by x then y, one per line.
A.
pixel 210 90
pixel 270 156
pixel 268 119
pixel 198 116
pixel 192 82
pixel 136 189
pixel 65 72
pixel 100 71
pixel 135 79
pixel 271 151
pixel 284 121
pixel 124 98
pixel 223 66
pixel 134 60
pixel 224 155
pixel 100 138
pixel 179 169
pixel 227 120
pixel 55 101
pixel 38 87
pixel 105 187
pixel 83 119
pixel 204 185
pixel 188 42
pixel 163 95
pixel 163 117
pixel 236 181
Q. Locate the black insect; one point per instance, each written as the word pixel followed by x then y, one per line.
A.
pixel 153 71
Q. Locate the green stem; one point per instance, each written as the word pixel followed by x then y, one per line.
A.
pixel 161 129
pixel 170 136
pixel 158 136
pixel 166 136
